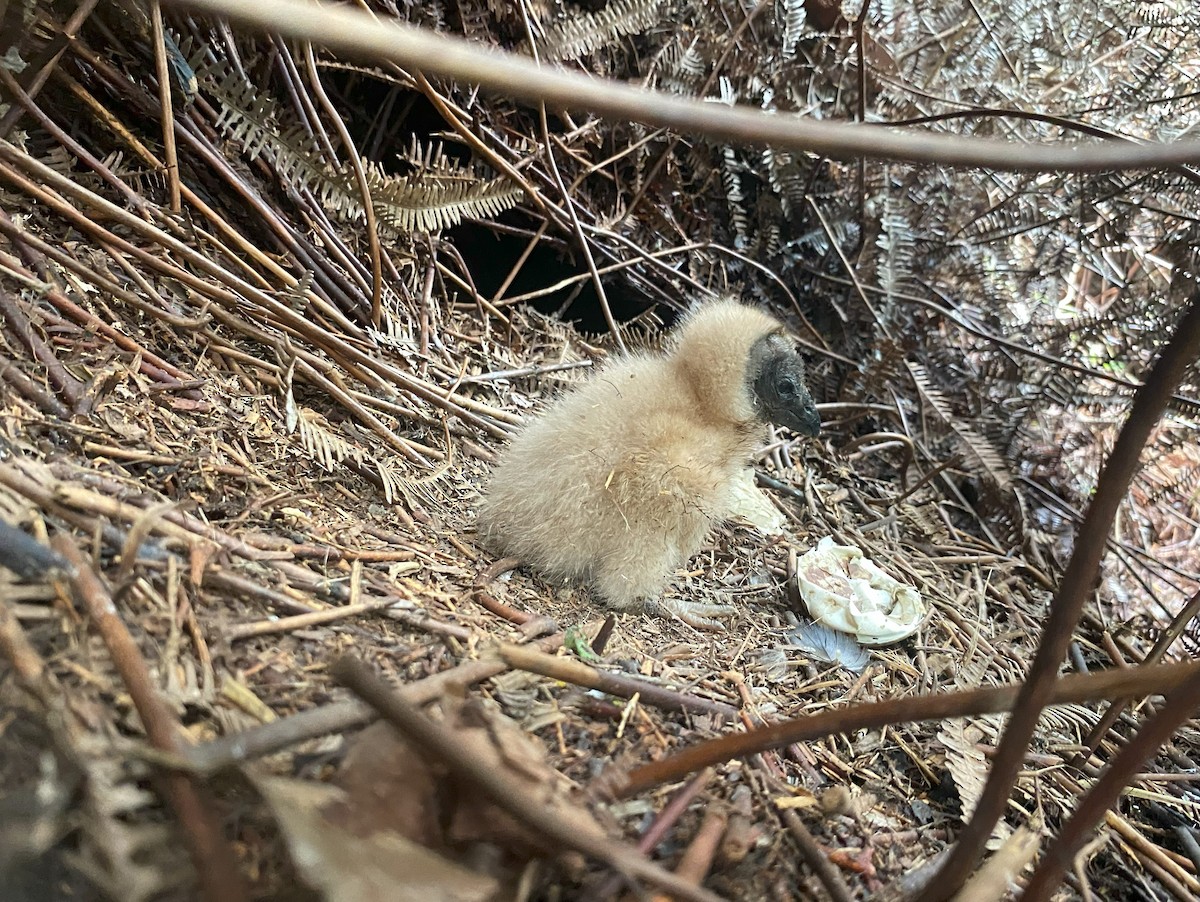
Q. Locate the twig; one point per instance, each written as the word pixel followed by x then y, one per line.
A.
pixel 527 371
pixel 360 176
pixel 480 593
pixel 421 621
pixel 236 292
pixel 657 831
pixel 1179 623
pixel 71 389
pixel 31 391
pixel 1180 705
pixel 1075 688
pixel 301 621
pixel 568 202
pixel 360 34
pixel 439 743
pixel 164 98
pixel 1139 842
pixel 1187 839
pixel 698 857
pixel 338 717
pixel 82 11
pixel 16 648
pixel 574 671
pixel 248 248
pixel 151 364
pixel 135 200
pixel 52 493
pixel 214 861
pixel 815 858
pixel 1077 583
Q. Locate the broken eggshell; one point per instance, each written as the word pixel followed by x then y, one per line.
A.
pixel 846 591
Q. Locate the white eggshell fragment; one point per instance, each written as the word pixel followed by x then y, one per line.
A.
pixel 848 592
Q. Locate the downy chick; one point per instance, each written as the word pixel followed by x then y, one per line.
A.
pixel 619 481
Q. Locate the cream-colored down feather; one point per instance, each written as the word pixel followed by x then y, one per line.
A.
pixel 619 481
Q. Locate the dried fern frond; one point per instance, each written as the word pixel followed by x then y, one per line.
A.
pixel 976 446
pixel 423 203
pixel 122 853
pixel 397 485
pixel 322 443
pixel 583 33
pixel 440 194
pixel 793 17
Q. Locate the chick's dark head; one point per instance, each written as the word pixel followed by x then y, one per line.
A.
pixel 776 377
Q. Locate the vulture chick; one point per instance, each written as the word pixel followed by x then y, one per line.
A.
pixel 619 481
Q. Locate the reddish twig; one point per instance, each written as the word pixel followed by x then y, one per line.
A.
pixel 31 391
pixel 1077 688
pixel 1180 705
pixel 151 364
pixel 214 861
pixel 829 876
pixel 697 860
pixel 1077 583
pixel 480 593
pixel 658 829
pixel 70 388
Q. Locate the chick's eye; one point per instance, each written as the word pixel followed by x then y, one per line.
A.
pixel 786 386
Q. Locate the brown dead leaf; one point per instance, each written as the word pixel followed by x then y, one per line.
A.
pixel 382 866
pixel 390 785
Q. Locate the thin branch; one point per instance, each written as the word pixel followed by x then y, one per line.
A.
pixel 1179 707
pixel 1075 688
pixel 656 832
pixel 303 621
pixel 164 97
pixel 215 864
pixel 360 177
pixel 1179 623
pixel 361 34
pixel 573 671
pixel 1077 584
pixel 698 858
pixel 70 29
pixel 337 717
pixel 569 204
pixel 816 859
pixel 70 388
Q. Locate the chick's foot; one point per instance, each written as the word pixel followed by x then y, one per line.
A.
pixel 698 614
